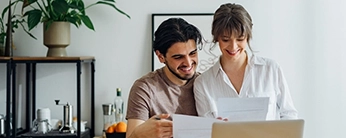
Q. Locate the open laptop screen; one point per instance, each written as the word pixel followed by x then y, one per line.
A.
pixel 259 129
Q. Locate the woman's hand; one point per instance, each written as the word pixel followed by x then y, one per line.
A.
pixel 223 119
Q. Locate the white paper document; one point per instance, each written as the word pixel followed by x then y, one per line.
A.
pixel 235 109
pixel 243 109
pixel 185 126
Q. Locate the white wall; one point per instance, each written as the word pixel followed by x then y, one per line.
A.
pixel 306 37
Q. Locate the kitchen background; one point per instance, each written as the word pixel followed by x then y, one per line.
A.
pixel 306 37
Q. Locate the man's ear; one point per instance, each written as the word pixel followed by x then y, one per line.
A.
pixel 160 56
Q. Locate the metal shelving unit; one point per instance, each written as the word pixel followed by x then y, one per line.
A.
pixel 7 61
pixel 31 63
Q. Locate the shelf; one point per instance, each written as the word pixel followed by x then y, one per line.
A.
pixel 30 102
pixel 53 59
pixel 5 58
pixel 56 134
pixel 19 131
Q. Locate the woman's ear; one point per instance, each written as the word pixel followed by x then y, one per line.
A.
pixel 160 56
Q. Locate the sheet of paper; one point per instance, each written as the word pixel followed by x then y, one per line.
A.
pixel 185 126
pixel 243 109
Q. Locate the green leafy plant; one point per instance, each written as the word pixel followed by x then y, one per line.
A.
pixel 2 32
pixel 16 20
pixel 73 11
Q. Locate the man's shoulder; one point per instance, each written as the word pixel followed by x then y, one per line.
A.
pixel 144 84
pixel 153 75
pixel 150 79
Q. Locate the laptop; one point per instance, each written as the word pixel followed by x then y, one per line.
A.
pixel 259 129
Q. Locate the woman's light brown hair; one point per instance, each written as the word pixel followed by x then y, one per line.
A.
pixel 232 18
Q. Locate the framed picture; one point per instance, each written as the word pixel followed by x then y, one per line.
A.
pixel 208 55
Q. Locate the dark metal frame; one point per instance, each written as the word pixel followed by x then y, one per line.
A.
pixel 31 95
pixel 168 15
pixel 7 61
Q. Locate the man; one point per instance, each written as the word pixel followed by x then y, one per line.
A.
pixel 168 90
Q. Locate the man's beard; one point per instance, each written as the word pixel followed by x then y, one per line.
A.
pixel 178 76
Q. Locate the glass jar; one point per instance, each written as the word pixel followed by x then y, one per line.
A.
pixel 108 117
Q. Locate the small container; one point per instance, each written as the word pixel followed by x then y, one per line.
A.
pixel 108 117
pixel 2 126
pixel 82 125
pixel 40 126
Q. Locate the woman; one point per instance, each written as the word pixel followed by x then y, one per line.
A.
pixel 238 74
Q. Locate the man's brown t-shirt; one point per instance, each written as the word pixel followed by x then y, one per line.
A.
pixel 155 94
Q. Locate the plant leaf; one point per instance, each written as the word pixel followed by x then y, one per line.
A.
pixel 112 5
pixel 34 17
pixel 60 7
pixel 21 23
pixel 6 9
pixel 74 17
pixel 79 5
pixel 86 20
pixel 27 3
pixel 110 1
pixel 2 38
pixel 73 20
pixel 47 24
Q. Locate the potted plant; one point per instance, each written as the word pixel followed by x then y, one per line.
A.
pixel 57 15
pixel 16 20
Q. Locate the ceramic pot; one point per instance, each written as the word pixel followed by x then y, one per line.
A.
pixel 57 38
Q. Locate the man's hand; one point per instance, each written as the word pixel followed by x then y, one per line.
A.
pixel 156 127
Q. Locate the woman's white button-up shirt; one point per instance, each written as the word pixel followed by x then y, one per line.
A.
pixel 263 78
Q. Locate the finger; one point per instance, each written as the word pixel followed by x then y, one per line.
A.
pixel 165 116
pixel 220 118
pixel 156 117
pixel 161 116
pixel 166 123
pixel 167 134
pixel 166 128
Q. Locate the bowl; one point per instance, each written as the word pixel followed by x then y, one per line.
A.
pixel 116 135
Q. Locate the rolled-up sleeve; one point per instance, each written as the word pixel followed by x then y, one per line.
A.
pixel 285 103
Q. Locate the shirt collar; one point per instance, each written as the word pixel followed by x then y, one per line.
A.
pixel 255 60
pixel 252 61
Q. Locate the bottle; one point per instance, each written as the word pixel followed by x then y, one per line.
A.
pixel 119 106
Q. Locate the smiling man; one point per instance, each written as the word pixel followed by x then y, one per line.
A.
pixel 168 90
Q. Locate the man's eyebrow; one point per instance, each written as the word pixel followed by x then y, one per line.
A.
pixel 194 51
pixel 178 55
